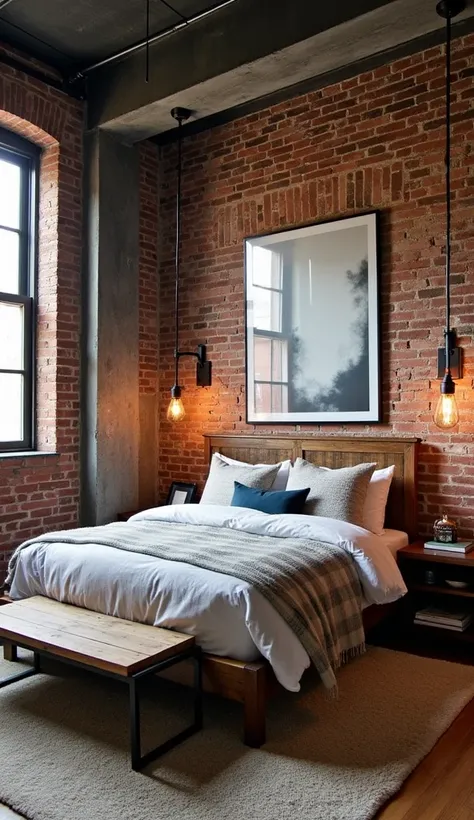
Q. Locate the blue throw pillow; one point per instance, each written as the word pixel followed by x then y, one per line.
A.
pixel 269 501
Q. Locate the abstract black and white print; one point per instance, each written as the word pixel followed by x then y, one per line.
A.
pixel 312 324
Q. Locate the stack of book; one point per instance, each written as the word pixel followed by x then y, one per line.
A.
pixel 457 546
pixel 444 618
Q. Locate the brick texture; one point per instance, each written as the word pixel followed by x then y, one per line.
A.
pixel 375 141
pixel 42 492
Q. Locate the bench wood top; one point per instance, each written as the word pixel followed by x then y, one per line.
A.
pixel 99 641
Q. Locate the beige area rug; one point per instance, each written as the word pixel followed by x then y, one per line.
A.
pixel 64 746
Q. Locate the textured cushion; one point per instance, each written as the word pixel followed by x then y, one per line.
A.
pixel 282 474
pixel 333 493
pixel 269 501
pixel 219 487
pixel 376 499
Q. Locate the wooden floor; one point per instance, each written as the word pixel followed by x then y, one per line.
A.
pixel 6 814
pixel 442 787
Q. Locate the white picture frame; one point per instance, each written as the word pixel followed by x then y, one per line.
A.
pixel 312 327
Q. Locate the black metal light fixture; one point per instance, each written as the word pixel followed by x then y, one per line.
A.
pixel 176 410
pixel 446 414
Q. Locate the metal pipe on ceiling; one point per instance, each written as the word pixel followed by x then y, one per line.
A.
pixel 154 39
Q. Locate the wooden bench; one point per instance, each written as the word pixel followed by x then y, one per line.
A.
pixel 111 646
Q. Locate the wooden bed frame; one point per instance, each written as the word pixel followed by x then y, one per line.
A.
pixel 253 683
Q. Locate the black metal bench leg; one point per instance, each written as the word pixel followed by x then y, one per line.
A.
pixel 139 760
pixel 21 675
pixel 135 741
pixel 197 659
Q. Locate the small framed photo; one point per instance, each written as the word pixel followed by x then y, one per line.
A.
pixel 181 493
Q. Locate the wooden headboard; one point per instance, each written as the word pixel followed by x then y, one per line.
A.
pixel 401 512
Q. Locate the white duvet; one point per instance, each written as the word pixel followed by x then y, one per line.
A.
pixel 228 616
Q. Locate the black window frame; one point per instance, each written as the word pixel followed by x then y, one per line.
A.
pixel 27 156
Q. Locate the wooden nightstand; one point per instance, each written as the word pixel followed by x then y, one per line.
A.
pixel 124 516
pixel 415 562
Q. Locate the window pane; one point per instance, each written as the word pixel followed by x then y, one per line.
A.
pixel 284 398
pixel 9 194
pixel 266 268
pixel 11 407
pixel 262 361
pixel 267 309
pixel 11 336
pixel 276 398
pixel 263 398
pixel 279 360
pixel 284 361
pixel 277 271
pixel 262 267
pixel 9 261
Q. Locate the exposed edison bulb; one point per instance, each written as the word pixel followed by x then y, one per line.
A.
pixel 176 410
pixel 446 414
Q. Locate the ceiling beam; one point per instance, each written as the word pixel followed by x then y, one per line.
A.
pixel 287 44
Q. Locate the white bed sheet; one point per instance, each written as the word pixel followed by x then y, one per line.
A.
pixel 227 616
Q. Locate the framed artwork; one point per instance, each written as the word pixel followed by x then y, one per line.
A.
pixel 181 493
pixel 312 324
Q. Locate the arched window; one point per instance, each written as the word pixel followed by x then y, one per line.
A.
pixel 19 161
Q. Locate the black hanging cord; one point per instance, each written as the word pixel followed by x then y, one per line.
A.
pixel 180 115
pixel 448 184
pixel 147 48
pixel 448 9
pixel 178 236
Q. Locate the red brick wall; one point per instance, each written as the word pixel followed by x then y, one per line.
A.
pixel 375 141
pixel 42 492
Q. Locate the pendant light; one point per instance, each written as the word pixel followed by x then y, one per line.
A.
pixel 446 414
pixel 176 410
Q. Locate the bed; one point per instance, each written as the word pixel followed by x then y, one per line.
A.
pixel 242 677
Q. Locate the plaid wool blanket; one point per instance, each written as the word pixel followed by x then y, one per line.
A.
pixel 313 585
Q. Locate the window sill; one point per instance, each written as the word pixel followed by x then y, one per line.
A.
pixel 27 454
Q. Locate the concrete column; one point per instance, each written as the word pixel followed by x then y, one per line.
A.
pixel 110 368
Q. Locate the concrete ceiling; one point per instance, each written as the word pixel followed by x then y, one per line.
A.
pixel 69 35
pixel 246 54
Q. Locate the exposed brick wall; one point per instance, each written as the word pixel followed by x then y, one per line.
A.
pixel 42 492
pixel 375 141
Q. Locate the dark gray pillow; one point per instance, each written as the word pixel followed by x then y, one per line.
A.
pixel 333 493
pixel 219 487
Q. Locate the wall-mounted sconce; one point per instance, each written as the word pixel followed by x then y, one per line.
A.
pixel 446 414
pixel 176 410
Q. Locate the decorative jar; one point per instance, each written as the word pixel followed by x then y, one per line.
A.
pixel 445 530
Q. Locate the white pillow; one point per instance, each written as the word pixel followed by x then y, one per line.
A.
pixel 373 515
pixel 219 487
pixel 376 500
pixel 281 479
